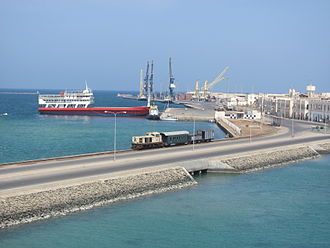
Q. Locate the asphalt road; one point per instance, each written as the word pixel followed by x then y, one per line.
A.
pixel 22 175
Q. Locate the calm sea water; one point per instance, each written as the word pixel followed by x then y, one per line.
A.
pixel 280 207
pixel 26 135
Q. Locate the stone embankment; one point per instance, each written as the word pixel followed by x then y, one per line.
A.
pixel 323 148
pixel 28 207
pixel 269 159
pixel 243 163
pixel 61 201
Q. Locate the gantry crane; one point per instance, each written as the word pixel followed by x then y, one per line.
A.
pixel 196 93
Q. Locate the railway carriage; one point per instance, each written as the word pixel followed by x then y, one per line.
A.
pixel 164 139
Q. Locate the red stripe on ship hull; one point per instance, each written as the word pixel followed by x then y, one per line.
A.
pixel 130 111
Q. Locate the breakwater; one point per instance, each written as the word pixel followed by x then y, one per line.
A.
pixel 269 159
pixel 19 209
pixel 259 160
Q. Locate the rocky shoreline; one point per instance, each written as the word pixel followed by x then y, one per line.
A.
pixel 47 203
pixel 26 208
pixel 270 159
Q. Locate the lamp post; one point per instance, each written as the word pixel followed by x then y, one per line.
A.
pixel 115 132
pixel 194 137
pixel 292 119
pixel 324 119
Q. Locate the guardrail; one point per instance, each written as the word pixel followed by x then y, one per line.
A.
pixel 236 129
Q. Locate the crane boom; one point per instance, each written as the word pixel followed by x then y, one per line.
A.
pixel 217 79
pixel 196 93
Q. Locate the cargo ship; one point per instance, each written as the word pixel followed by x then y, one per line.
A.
pixel 78 103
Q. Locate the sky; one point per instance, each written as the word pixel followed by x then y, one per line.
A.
pixel 270 46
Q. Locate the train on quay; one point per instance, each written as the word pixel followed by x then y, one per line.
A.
pixel 165 139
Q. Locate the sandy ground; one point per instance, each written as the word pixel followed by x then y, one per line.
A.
pixel 254 128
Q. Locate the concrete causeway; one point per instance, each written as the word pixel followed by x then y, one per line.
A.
pixel 33 190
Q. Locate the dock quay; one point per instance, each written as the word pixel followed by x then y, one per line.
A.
pixel 189 114
pixel 129 96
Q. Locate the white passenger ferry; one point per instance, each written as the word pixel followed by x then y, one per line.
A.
pixel 78 103
pixel 67 99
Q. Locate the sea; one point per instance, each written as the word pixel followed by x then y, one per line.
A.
pixel 286 206
pixel 27 135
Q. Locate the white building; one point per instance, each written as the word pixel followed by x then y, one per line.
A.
pixel 319 110
pixel 249 114
pixel 309 106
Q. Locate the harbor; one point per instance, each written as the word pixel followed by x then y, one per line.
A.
pixel 251 141
pixel 166 124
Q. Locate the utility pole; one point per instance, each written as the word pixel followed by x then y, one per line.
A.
pixel 292 118
pixel 194 134
pixel 115 132
pixel 325 121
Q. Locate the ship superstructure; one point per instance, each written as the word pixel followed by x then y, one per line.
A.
pixel 78 103
pixel 67 99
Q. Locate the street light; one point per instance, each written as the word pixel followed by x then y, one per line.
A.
pixel 292 119
pixel 115 132
pixel 194 137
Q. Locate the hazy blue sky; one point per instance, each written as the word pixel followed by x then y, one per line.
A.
pixel 270 46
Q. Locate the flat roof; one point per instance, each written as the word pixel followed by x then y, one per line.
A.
pixel 174 133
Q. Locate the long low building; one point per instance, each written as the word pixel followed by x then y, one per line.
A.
pixel 308 106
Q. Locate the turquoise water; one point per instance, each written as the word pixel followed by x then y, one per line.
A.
pixel 26 135
pixel 280 207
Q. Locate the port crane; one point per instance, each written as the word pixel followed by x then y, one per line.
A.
pixel 203 92
pixel 171 83
pixel 196 93
pixel 151 79
pixel 146 84
pixel 141 94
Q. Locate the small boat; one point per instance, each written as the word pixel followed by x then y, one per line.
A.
pixel 4 114
pixel 168 118
pixel 153 113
